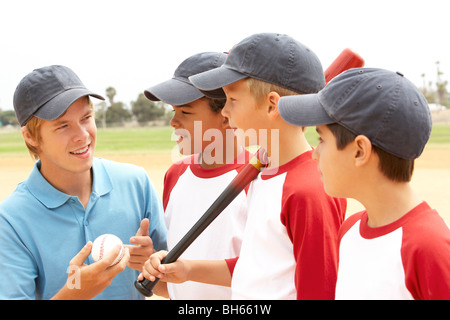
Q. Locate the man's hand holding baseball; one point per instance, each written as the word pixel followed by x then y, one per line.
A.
pixel 87 281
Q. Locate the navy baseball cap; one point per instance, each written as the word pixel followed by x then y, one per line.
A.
pixel 270 57
pixel 47 93
pixel 179 90
pixel 382 105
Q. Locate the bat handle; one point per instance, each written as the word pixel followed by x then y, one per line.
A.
pixel 146 286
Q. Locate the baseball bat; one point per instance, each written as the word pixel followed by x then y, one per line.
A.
pixel 346 60
pixel 250 171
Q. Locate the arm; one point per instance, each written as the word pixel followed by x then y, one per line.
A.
pixel 311 214
pixel 209 271
pixel 426 256
pixel 204 271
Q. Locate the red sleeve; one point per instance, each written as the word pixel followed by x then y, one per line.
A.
pixel 312 220
pixel 231 263
pixel 171 178
pixel 426 258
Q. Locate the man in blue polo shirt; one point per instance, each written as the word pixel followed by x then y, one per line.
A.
pixel 48 224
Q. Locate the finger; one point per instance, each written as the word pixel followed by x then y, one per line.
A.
pixel 148 276
pixel 145 275
pixel 156 258
pixel 166 268
pixel 125 259
pixel 121 265
pixel 135 265
pixel 143 228
pixel 142 241
pixel 149 272
pixel 82 255
pixel 109 257
pixel 136 262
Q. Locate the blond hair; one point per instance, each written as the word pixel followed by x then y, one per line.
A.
pixel 260 89
pixel 33 127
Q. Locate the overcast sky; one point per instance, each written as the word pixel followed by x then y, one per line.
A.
pixel 134 44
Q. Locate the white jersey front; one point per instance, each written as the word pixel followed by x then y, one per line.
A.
pixel 189 191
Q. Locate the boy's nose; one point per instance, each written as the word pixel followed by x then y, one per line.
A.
pixel 174 121
pixel 315 155
pixel 225 110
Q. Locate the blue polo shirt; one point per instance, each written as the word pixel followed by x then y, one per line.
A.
pixel 42 229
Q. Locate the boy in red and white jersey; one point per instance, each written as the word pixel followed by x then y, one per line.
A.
pixel 214 157
pixel 372 124
pixel 289 249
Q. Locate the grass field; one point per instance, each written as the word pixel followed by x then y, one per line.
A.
pixel 158 140
pixel 114 140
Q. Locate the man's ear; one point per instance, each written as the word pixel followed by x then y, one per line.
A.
pixel 272 110
pixel 28 138
pixel 363 150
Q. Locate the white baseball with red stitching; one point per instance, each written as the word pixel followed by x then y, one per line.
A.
pixel 104 244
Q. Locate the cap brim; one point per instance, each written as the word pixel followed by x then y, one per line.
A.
pixel 56 107
pixel 215 94
pixel 216 78
pixel 174 92
pixel 303 110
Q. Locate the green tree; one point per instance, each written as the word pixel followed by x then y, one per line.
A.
pixel 436 92
pixel 441 92
pixel 100 115
pixel 117 114
pixel 145 110
pixel 111 93
pixel 8 117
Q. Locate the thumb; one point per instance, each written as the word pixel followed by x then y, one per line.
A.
pixel 82 255
pixel 143 228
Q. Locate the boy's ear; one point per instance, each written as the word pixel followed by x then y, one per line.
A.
pixel 28 138
pixel 272 110
pixel 363 150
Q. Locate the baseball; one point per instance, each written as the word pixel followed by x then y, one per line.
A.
pixel 103 245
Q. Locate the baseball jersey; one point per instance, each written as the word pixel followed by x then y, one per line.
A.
pixel 407 259
pixel 189 190
pixel 289 249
